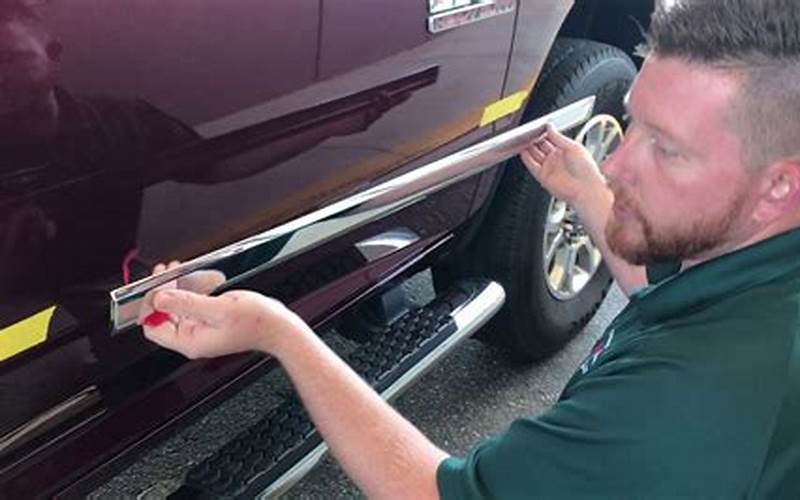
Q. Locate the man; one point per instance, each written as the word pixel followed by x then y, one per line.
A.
pixel 694 390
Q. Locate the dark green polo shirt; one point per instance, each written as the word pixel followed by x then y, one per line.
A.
pixel 692 392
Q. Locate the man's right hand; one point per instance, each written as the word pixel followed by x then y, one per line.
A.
pixel 236 321
pixel 562 166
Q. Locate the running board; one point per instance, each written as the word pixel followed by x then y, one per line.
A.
pixel 268 458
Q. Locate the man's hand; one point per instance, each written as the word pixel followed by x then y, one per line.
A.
pixel 236 321
pixel 562 166
pixel 200 326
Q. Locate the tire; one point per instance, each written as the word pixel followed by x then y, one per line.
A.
pixel 534 323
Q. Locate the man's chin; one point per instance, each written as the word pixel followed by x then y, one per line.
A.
pixel 632 255
pixel 628 247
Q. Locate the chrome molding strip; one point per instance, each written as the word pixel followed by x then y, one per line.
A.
pixel 386 243
pixel 472 315
pixel 56 415
pixel 468 14
pixel 311 230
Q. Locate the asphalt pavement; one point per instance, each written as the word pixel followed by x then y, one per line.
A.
pixel 474 393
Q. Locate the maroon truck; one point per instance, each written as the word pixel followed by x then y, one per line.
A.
pixel 317 151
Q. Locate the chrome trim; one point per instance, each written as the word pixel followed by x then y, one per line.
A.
pixel 56 415
pixel 311 230
pixel 296 473
pixel 469 317
pixel 386 243
pixel 480 10
pixel 437 6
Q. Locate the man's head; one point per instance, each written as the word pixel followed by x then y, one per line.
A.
pixel 28 56
pixel 712 157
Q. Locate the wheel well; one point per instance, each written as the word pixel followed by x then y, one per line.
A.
pixel 615 22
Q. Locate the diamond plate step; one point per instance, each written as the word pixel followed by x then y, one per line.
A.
pixel 277 451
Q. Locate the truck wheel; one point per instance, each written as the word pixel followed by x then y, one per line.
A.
pixel 535 245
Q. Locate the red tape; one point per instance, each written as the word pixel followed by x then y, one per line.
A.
pixel 156 318
pixel 126 265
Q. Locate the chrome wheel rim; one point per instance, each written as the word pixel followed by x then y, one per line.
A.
pixel 571 259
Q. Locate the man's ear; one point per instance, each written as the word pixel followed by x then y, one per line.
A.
pixel 779 191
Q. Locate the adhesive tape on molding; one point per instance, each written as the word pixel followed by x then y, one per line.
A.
pixel 503 107
pixel 25 334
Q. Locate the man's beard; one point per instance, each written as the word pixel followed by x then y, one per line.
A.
pixel 654 245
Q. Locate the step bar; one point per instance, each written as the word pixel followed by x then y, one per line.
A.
pixel 391 362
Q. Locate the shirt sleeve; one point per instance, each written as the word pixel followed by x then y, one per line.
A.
pixel 619 432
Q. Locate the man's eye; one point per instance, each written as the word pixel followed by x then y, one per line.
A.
pixel 661 150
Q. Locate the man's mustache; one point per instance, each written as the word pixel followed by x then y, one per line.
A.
pixel 622 197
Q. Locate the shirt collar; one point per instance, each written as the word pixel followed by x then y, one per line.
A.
pixel 656 273
pixel 756 264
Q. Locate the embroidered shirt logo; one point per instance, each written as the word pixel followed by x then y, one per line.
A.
pixel 599 347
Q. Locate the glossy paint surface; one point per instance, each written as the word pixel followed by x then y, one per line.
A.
pixel 176 128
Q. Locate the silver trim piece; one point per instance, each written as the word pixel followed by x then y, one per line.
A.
pixel 469 317
pixel 56 415
pixel 437 6
pixel 455 18
pixel 311 230
pixel 386 243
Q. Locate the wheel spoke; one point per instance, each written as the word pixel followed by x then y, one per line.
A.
pixel 570 268
pixel 594 257
pixel 607 142
pixel 558 272
pixel 552 227
pixel 580 277
pixel 556 215
pixel 552 248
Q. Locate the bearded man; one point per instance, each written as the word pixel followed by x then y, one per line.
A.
pixel 696 391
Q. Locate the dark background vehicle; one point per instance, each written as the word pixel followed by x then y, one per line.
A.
pixel 148 132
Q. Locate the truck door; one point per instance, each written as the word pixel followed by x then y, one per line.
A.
pixel 141 133
pixel 105 111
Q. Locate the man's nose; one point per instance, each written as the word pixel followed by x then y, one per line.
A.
pixel 615 166
pixel 611 165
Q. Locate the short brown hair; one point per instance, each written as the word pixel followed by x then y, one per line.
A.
pixel 757 39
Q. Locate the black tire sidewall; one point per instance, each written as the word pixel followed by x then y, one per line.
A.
pixel 533 323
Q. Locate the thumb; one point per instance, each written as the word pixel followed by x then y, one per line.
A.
pixel 189 304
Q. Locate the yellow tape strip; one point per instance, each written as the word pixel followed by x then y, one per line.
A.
pixel 503 107
pixel 25 334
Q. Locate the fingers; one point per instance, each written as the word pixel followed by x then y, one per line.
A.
pixel 559 140
pixel 161 267
pixel 165 335
pixel 203 282
pixel 186 304
pixel 537 153
pixel 181 336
